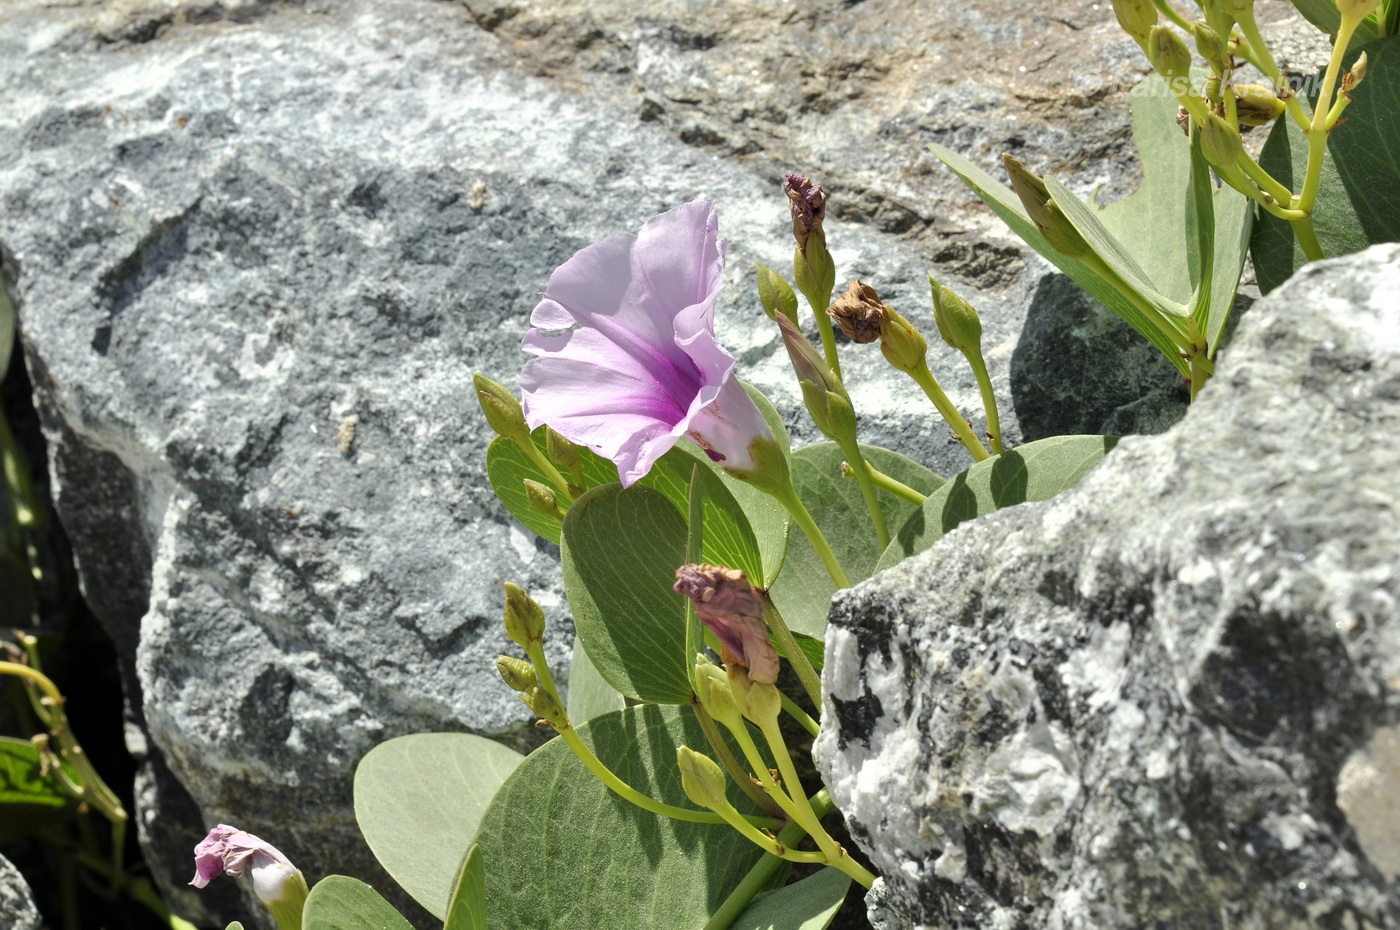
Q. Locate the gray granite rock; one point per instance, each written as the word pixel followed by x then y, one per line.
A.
pixel 1170 696
pixel 17 910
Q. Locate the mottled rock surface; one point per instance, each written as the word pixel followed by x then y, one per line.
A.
pixel 17 910
pixel 1168 697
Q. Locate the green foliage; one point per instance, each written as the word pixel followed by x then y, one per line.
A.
pixel 467 911
pixel 803 590
pixel 1137 238
pixel 1358 200
pixel 810 904
pixel 1036 471
pixel 31 798
pixel 507 467
pixel 419 800
pixel 564 853
pixel 339 902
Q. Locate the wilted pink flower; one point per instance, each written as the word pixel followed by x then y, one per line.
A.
pixel 627 358
pixel 229 849
pixel 727 604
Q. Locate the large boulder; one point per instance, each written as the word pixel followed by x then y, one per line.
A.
pixel 17 910
pixel 1167 697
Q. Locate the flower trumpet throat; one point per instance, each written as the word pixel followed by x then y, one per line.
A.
pixel 626 360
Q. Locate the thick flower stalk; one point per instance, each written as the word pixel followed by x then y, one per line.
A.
pixel 626 360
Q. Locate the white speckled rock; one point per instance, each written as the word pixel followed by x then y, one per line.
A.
pixel 1168 697
pixel 17 910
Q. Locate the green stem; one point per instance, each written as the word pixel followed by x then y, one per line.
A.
pixel 141 891
pixel 1307 239
pixel 757 879
pixel 924 379
pixel 1170 13
pixel 627 792
pixel 856 460
pixel 1317 131
pixel 798 511
pixel 543 463
pixel 811 683
pixel 828 341
pixel 801 716
pixel 897 488
pixel 989 397
pixel 805 813
pixel 731 764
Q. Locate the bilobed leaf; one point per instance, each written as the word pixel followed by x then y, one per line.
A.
pixel 339 902
pixel 1358 201
pixel 1005 204
pixel 803 590
pixel 507 466
pixel 419 800
pixel 589 692
pixel 467 910
pixel 620 552
pixel 1036 471
pixel 563 852
pixel 810 904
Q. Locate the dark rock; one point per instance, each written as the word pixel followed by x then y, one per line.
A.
pixel 17 910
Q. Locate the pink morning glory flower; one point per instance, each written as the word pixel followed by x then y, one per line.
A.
pixel 626 357
pixel 229 849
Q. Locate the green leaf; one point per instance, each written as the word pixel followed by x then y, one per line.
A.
pixel 1158 223
pixel 565 853
pixel 620 552
pixel 507 467
pixel 1004 202
pixel 419 799
pixel 1358 200
pixel 810 904
pixel 236 925
pixel 727 539
pixel 1323 14
pixel 803 590
pixel 339 902
pixel 589 692
pixel 468 908
pixel 1036 471
pixel 30 798
pixel 7 328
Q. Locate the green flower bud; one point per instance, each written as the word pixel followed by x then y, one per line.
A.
pixel 524 618
pixel 1137 17
pixel 1212 47
pixel 1256 105
pixel 561 452
pixel 903 345
pixel 1058 231
pixel 518 674
pixel 1221 144
pixel 957 321
pixel 764 703
pixel 712 688
pixel 1168 54
pixel 503 411
pixel 776 295
pixel 769 471
pixel 702 779
pixel 543 705
pixel 542 499
pixel 821 390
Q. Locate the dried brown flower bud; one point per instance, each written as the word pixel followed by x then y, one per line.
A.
pixel 859 313
pixel 808 204
pixel 733 610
